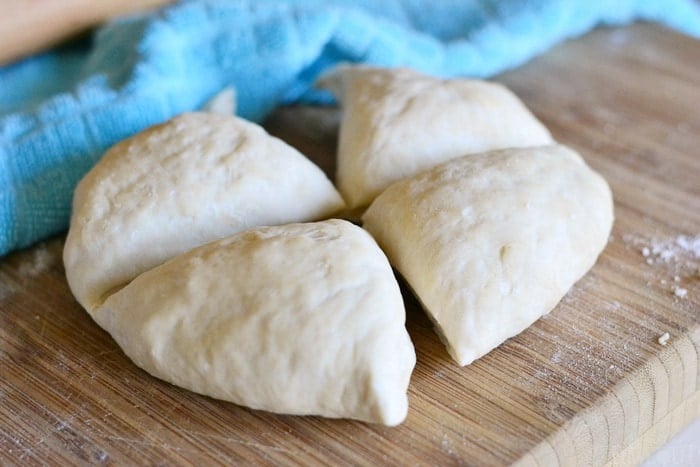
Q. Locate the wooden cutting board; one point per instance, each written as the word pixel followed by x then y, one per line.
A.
pixel 30 26
pixel 587 384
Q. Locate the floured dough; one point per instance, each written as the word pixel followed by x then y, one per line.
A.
pixel 224 102
pixel 398 123
pixel 298 319
pixel 491 242
pixel 193 179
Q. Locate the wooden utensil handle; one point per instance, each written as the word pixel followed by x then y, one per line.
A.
pixel 28 26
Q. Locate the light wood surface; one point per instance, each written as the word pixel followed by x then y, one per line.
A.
pixel 29 26
pixel 587 384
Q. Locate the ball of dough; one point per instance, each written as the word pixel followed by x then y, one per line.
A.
pixel 398 123
pixel 491 242
pixel 298 319
pixel 193 179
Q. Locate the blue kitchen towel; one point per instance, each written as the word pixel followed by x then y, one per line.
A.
pixel 59 111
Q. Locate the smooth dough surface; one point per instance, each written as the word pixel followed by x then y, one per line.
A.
pixel 297 319
pixel 398 123
pixel 491 242
pixel 175 186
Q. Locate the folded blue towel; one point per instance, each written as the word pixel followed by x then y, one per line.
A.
pixel 59 111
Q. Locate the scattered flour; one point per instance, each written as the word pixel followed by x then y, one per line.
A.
pixel 447 445
pixel 679 255
pixel 6 290
pixel 670 249
pixel 41 260
pixel 43 257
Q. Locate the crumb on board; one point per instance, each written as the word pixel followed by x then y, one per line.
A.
pixel 679 292
pixel 663 338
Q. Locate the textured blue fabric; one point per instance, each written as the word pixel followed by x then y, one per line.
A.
pixel 59 111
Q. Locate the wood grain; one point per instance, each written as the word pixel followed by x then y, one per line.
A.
pixel 587 384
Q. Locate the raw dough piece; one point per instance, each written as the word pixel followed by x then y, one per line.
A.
pixel 297 319
pixel 491 242
pixel 398 123
pixel 193 179
pixel 224 102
